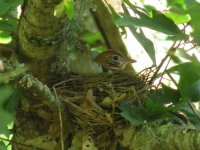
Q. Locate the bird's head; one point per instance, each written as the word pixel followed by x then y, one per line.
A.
pixel 113 60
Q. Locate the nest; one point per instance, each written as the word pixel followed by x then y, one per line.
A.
pixel 93 101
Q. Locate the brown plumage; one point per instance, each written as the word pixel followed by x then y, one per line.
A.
pixel 113 60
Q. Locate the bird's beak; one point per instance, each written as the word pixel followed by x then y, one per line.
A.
pixel 130 61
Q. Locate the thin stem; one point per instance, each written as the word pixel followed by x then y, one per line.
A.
pixel 60 118
pixel 172 79
pixel 162 74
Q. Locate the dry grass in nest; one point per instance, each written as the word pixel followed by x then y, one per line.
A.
pixel 92 101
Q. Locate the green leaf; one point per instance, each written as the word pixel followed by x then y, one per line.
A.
pixel 157 21
pixel 2 146
pixel 11 104
pixel 5 37
pixel 6 117
pixel 177 18
pixel 69 5
pixel 189 74
pixel 92 37
pixel 166 25
pixel 178 6
pixel 170 94
pixel 7 5
pixel 6 92
pixel 194 13
pixel 154 105
pixel 59 9
pixel 190 3
pixel 193 91
pixel 135 115
pixel 179 105
pixel 115 15
pixel 164 95
pixel 146 43
pixel 6 25
pixel 191 115
pixel 184 54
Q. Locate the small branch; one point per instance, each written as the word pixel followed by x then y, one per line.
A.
pixel 172 79
pixel 35 86
pixel 162 74
pixel 60 118
pixel 172 48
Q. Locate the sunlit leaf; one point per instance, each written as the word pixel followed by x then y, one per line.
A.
pixel 65 5
pixel 92 37
pixel 59 9
pixel 177 18
pixel 178 5
pixel 5 37
pixel 69 5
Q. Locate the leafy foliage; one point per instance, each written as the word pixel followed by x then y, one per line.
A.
pixel 9 97
pixel 165 103
pixel 67 6
pixel 8 18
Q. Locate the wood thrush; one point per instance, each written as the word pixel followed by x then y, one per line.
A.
pixel 110 60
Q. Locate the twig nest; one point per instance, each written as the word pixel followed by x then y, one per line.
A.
pixel 93 101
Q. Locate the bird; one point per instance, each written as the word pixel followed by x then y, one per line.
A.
pixel 110 60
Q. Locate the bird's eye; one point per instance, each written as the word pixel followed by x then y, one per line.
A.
pixel 115 57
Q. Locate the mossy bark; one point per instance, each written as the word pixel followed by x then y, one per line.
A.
pixel 40 34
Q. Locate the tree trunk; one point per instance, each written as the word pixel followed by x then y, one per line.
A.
pixel 40 34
